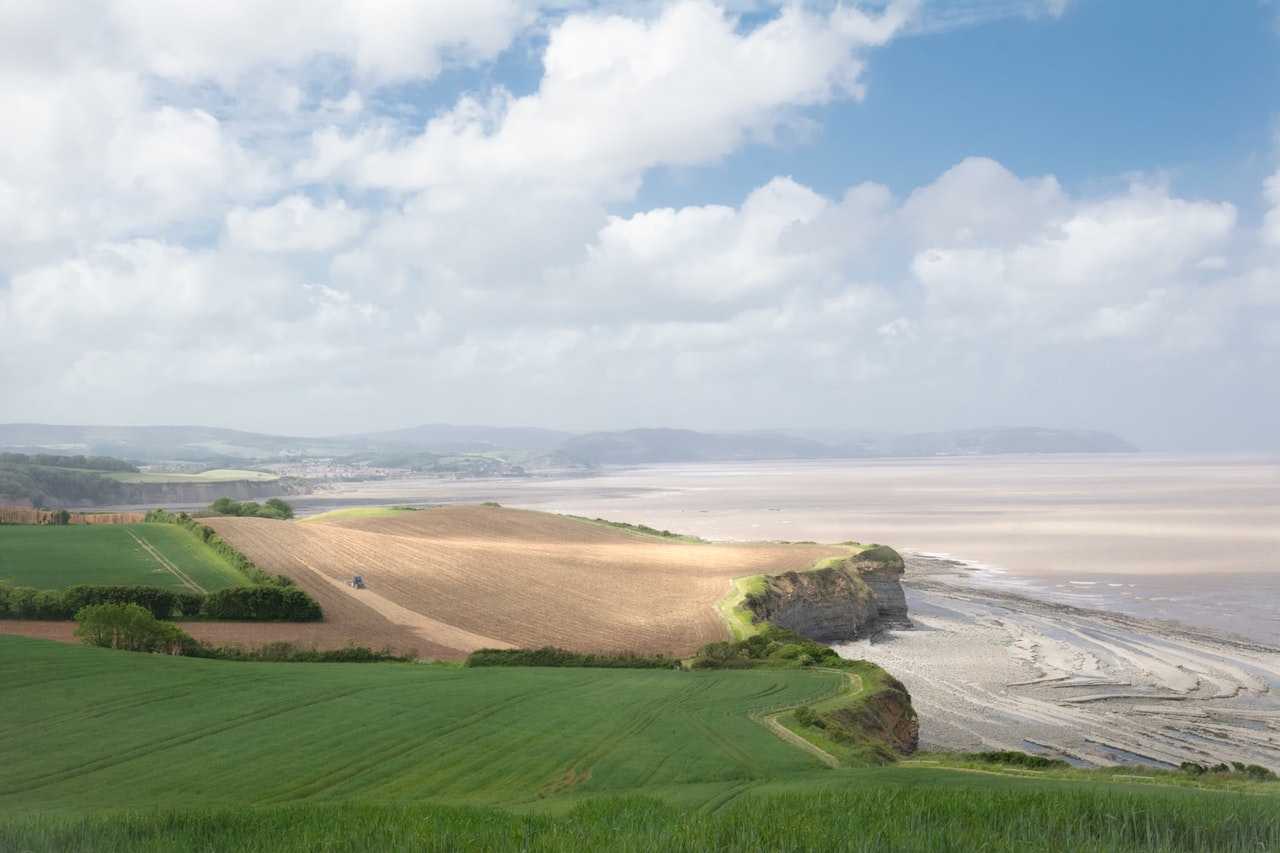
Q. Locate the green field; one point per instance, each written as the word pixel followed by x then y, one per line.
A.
pixel 216 475
pixel 118 751
pixel 361 512
pixel 57 556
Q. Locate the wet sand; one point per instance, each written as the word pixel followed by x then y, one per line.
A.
pixel 999 670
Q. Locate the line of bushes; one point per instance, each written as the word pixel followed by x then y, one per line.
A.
pixel 262 603
pixel 284 652
pixel 131 627
pixel 772 647
pixel 552 656
pixel 20 602
pixel 273 508
pixel 222 547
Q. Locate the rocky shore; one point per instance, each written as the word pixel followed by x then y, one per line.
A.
pixel 997 670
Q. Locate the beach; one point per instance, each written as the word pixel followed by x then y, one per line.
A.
pixel 999 670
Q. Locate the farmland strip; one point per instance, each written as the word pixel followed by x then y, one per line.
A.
pixel 429 629
pixel 167 564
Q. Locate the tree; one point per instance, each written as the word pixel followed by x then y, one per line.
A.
pixel 129 627
pixel 225 506
pixel 277 508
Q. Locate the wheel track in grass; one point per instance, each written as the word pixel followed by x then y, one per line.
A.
pixel 168 564
pixel 93 766
pixel 398 752
pixel 580 767
pixel 770 720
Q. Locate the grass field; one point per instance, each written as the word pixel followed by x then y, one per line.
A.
pixel 359 512
pixel 54 557
pixel 115 751
pixel 216 475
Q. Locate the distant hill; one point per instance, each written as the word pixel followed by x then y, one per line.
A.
pixel 534 448
pixel 642 446
pixel 217 445
pixel 973 442
pixel 464 439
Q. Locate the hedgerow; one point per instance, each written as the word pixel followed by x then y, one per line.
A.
pixel 552 656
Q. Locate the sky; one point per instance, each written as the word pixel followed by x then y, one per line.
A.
pixel 327 216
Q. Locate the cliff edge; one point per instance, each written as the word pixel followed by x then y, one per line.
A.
pixel 840 599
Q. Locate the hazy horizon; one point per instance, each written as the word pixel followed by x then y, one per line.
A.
pixel 899 216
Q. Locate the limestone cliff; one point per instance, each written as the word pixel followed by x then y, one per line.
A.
pixel 843 600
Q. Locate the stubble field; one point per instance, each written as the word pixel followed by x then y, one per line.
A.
pixel 461 578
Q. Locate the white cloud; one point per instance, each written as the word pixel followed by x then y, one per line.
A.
pixel 620 95
pixel 191 41
pixel 294 224
pixel 200 203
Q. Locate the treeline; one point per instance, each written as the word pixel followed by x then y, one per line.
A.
pixel 40 485
pixel 552 656
pixel 88 463
pixel 262 603
pixel 131 627
pixel 273 508
pixel 222 547
pixel 772 647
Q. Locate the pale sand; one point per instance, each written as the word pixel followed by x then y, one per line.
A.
pixel 991 670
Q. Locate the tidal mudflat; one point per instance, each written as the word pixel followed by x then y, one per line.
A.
pixel 991 669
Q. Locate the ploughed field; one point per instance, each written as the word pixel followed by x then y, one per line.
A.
pixel 448 580
pixel 162 555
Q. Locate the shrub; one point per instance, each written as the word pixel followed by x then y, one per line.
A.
pixel 552 656
pixel 261 603
pixel 773 646
pixel 27 603
pixel 805 715
pixel 1020 759
pixel 129 627
pixel 273 508
pixel 285 652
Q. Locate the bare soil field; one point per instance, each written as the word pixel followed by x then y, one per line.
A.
pixel 482 576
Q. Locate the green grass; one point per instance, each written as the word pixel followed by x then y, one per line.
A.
pixel 112 751
pixel 868 680
pixel 734 613
pixel 361 512
pixel 884 815
pixel 55 557
pixel 641 530
pixel 111 729
pixel 216 475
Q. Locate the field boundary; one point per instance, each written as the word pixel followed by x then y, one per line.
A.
pixel 770 719
pixel 168 564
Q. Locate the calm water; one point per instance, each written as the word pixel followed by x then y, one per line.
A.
pixel 1176 537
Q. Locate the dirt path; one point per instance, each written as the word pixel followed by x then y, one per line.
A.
pixel 431 630
pixel 168 565
pixel 770 721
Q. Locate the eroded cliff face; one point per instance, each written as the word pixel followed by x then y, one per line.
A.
pixel 848 599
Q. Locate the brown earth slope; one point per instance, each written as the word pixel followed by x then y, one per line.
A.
pixel 451 579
